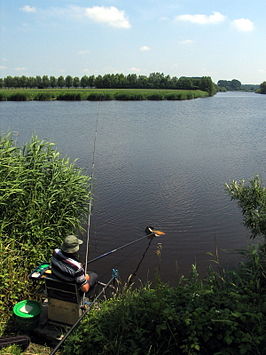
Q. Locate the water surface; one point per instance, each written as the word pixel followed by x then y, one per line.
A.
pixel 157 163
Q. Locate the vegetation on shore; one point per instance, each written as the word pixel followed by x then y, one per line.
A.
pixel 43 197
pixel 235 85
pixel 112 81
pixel 222 314
pixel 98 94
pixel 262 89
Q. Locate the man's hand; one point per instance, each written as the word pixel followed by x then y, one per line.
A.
pixel 85 288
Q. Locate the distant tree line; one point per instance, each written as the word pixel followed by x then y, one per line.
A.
pixel 230 85
pixel 235 85
pixel 114 81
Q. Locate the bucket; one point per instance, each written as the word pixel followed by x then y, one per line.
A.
pixel 27 314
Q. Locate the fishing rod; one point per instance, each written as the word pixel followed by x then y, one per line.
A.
pixel 150 232
pixel 90 204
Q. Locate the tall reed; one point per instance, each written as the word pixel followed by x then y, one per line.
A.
pixel 43 197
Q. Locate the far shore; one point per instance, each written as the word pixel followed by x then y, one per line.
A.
pixel 23 94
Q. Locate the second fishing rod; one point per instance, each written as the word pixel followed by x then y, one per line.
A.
pixel 151 232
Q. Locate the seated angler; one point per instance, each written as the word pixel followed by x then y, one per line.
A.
pixel 66 266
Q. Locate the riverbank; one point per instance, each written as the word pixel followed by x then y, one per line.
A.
pixel 98 94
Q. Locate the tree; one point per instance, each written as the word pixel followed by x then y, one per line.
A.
pixel 185 83
pixel 45 82
pixel 31 82
pixel 61 81
pixel 91 81
pixel 39 82
pixel 230 85
pixel 84 81
pixel 53 82
pixel 131 80
pixel 235 84
pixel 252 200
pixel 206 84
pixel 76 82
pixel 263 88
pixel 9 82
pixel 98 82
pixel 69 81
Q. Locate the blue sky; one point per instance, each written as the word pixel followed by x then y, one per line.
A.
pixel 225 39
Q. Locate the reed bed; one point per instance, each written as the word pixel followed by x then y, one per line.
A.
pixel 98 94
pixel 43 197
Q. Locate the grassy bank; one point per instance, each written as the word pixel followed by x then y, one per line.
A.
pixel 43 197
pixel 98 94
pixel 222 314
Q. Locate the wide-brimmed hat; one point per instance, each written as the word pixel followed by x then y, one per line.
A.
pixel 71 244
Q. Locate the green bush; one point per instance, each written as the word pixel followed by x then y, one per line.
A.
pixel 190 96
pixel 17 97
pixel 129 97
pixel 99 97
pixel 173 97
pixel 69 97
pixel 223 314
pixel 155 97
pixel 251 198
pixel 43 97
pixel 43 197
pixel 3 97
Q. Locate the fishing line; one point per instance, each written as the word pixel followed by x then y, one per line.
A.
pixel 92 176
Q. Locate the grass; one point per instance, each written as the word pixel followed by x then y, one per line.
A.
pixel 98 94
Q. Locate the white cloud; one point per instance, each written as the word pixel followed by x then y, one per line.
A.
pixel 186 41
pixel 144 48
pixel 108 15
pixel 28 8
pixel 243 25
pixel 83 52
pixel 214 18
pixel 20 68
pixel 3 67
pixel 134 69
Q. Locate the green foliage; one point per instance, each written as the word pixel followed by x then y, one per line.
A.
pixel 262 89
pixel 252 200
pixel 43 197
pixel 43 96
pixel 173 97
pixel 11 350
pixel 101 94
pixel 18 97
pixel 129 97
pixel 231 85
pixel 69 97
pixel 115 81
pixel 99 97
pixel 3 97
pixel 155 97
pixel 222 314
